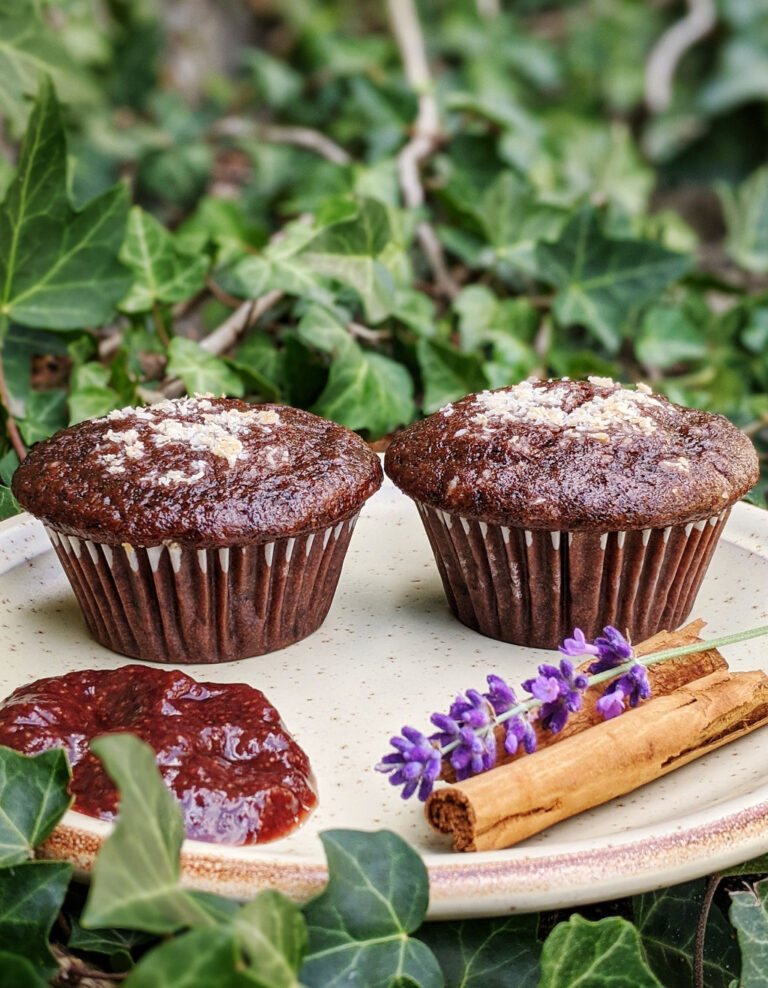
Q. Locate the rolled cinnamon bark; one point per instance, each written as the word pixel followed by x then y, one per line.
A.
pixel 507 804
pixel 664 677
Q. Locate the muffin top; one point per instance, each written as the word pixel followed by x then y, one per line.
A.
pixel 199 472
pixel 571 455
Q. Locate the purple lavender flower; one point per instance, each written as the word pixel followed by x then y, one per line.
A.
pixel 475 753
pixel 519 730
pixel 611 703
pixel 468 730
pixel 612 649
pixel 466 734
pixel 500 696
pixel 633 687
pixel 415 764
pixel 544 687
pixel 560 692
pixel 578 645
pixel 471 709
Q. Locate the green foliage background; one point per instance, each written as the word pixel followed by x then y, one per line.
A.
pixel 277 201
pixel 576 226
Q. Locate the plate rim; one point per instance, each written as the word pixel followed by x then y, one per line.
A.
pixel 514 880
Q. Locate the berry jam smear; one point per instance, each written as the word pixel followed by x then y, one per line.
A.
pixel 221 749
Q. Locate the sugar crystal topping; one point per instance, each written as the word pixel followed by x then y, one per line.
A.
pixel 532 404
pixel 191 424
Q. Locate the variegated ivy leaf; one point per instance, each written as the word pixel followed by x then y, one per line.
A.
pixel 349 252
pixel 600 280
pixel 162 273
pixel 59 267
pixel 746 217
pixel 29 46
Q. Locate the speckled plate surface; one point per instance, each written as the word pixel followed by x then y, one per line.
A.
pixel 389 654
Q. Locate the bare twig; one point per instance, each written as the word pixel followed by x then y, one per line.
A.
pixel 110 344
pixel 543 340
pixel 220 295
pixel 426 134
pixel 366 333
pixel 669 49
pixel 225 335
pixel 10 424
pixel 488 8
pixel 303 137
pixel 74 971
pixel 157 316
pixel 701 932
pixel 753 428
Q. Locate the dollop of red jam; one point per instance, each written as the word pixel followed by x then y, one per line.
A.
pixel 222 749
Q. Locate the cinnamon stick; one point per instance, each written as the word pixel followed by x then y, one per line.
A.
pixel 507 804
pixel 664 677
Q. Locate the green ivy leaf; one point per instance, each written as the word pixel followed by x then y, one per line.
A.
pixel 117 945
pixel 416 310
pixel 223 223
pixel 28 46
pixel 33 798
pixel 203 956
pixel 256 274
pixel 667 921
pixel 9 506
pixel 447 374
pixel 742 73
pixel 59 267
pixel 321 329
pixel 746 218
pixel 514 219
pixel 259 360
pixel 348 252
pixel 275 81
pixel 260 946
pixel 16 971
pixel 376 896
pixel 135 880
pixel 668 337
pixel 8 465
pixel 177 174
pixel 202 372
pixel 162 273
pixel 366 390
pixel 600 280
pixel 272 936
pixel 484 318
pixel 481 952
pixel 45 413
pixel 605 953
pixel 31 895
pixel 89 392
pixel 749 915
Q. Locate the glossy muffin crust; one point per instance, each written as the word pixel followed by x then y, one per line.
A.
pixel 199 472
pixel 573 455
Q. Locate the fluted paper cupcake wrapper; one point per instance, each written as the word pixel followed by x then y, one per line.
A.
pixel 167 603
pixel 534 587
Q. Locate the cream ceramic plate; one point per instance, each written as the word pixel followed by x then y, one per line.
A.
pixel 389 654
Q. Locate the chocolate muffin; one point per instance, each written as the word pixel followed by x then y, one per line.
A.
pixel 200 529
pixel 552 505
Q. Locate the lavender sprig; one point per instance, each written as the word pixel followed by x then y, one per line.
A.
pixel 466 734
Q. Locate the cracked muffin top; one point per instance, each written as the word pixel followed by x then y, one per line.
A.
pixel 200 472
pixel 574 455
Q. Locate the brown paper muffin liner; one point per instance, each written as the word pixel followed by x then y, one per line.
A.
pixel 166 603
pixel 534 587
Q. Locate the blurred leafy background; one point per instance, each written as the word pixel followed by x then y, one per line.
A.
pixel 368 209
